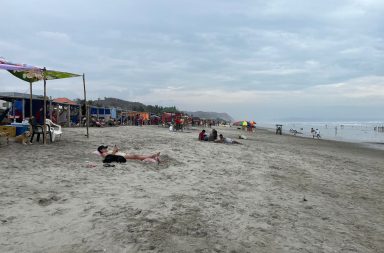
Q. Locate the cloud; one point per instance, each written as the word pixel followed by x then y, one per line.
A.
pixel 366 90
pixel 235 54
pixel 55 36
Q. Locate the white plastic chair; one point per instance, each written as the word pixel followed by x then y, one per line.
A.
pixel 55 129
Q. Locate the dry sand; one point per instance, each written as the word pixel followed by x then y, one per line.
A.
pixel 203 197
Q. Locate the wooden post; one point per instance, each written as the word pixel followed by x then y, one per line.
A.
pixel 69 115
pixel 80 115
pixel 13 110
pixel 86 106
pixel 23 105
pixel 45 108
pixel 30 100
pixel 58 114
pixel 50 108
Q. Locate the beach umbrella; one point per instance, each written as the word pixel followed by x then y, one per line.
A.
pixel 33 74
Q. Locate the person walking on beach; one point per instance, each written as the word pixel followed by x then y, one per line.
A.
pixel 313 132
pixel 317 133
pixel 111 156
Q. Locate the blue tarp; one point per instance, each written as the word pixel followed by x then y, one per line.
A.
pixel 102 112
pixel 37 108
pixel 93 111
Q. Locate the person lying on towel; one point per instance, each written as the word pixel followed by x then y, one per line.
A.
pixel 111 156
pixel 226 140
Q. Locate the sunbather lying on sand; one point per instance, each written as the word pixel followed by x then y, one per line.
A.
pixel 226 140
pixel 111 156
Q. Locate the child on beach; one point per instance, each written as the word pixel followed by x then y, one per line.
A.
pixel 111 156
pixel 203 136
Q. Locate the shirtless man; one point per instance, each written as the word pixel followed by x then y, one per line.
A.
pixel 226 140
pixel 110 156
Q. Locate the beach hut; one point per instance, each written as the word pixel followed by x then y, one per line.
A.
pixel 21 105
pixel 64 110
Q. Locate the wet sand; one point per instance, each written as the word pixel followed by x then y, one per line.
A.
pixel 272 194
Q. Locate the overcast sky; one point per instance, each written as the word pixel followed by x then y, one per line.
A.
pixel 255 59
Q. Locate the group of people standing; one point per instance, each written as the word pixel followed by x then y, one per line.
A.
pixel 315 133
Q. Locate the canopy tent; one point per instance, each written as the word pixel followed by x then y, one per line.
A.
pixel 33 74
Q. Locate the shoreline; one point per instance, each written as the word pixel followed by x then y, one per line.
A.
pixel 367 144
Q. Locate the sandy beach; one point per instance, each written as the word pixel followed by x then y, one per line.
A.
pixel 272 194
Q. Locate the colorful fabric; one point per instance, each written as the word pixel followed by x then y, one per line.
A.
pixel 33 74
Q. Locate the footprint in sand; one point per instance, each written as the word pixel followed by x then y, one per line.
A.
pixel 48 201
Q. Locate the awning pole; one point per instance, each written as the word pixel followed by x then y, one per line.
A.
pixel 30 99
pixel 23 108
pixel 86 106
pixel 69 115
pixel 45 108
pixel 50 108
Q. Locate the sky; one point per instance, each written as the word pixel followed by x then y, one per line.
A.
pixel 254 59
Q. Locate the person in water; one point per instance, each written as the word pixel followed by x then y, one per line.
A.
pixel 111 156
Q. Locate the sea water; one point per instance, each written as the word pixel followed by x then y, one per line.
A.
pixel 357 132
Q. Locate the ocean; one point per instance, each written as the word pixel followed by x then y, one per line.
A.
pixel 356 132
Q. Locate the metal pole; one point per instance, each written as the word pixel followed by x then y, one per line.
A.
pixel 86 106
